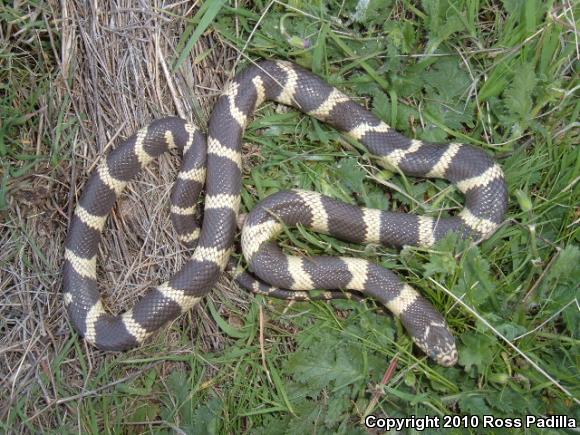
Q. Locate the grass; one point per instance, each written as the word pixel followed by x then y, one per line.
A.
pixel 499 75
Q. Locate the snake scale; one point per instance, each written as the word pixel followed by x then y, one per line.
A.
pixel 471 170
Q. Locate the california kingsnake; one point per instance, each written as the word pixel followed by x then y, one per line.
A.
pixel 471 170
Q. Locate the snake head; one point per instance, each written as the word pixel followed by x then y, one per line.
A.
pixel 437 342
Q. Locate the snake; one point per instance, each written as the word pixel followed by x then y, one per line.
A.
pixel 214 163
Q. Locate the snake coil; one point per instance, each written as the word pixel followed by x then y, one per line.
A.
pixel 471 170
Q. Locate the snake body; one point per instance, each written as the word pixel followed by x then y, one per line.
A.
pixel 471 170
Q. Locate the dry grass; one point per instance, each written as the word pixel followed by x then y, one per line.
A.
pixel 110 78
